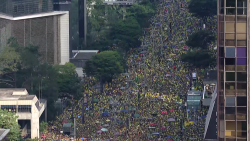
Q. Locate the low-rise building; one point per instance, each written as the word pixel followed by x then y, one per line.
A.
pixel 27 107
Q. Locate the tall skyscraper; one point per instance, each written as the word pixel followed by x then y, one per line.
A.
pixel 82 20
pixel 232 111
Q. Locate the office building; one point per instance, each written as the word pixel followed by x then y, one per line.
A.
pixel 232 97
pixel 27 107
pixel 34 22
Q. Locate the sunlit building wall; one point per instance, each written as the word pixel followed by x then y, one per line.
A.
pixel 233 69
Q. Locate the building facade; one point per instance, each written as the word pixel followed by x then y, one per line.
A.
pixel 33 22
pixel 27 107
pixel 232 97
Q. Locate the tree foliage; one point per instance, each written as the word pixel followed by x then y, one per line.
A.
pixel 104 65
pixel 104 33
pixel 9 57
pixel 199 59
pixel 203 8
pixel 201 39
pixel 9 121
pixel 68 80
pixel 126 33
pixel 44 80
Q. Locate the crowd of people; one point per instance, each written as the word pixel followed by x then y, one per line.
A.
pixel 147 102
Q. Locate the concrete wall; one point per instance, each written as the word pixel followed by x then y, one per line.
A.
pixel 64 38
pixel 40 32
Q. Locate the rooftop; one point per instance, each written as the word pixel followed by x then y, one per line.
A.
pixel 15 94
pixel 32 16
pixel 84 54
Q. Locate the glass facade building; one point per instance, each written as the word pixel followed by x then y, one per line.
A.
pixel 232 122
pixel 17 8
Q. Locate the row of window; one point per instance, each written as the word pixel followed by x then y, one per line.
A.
pixel 231 76
pixel 232 27
pixel 232 18
pixel 233 3
pixel 233 11
pixel 21 108
pixel 232 101
pixel 236 113
pixel 232 52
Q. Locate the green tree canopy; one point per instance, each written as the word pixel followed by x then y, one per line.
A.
pixel 199 59
pixel 203 8
pixel 104 65
pixel 8 120
pixel 126 33
pixel 9 57
pixel 68 80
pixel 201 39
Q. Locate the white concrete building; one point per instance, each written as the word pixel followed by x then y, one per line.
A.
pixel 27 107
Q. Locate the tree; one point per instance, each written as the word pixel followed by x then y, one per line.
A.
pixel 199 59
pixel 9 57
pixel 201 39
pixel 43 127
pixel 203 8
pixel 9 121
pixel 68 80
pixel 142 12
pixel 104 66
pixel 126 33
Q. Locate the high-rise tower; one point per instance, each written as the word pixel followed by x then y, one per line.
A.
pixel 233 69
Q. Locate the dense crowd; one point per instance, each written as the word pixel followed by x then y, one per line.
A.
pixel 147 102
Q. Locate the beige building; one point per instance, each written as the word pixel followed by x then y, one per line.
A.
pixel 28 108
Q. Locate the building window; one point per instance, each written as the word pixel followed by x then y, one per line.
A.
pixel 241 101
pixel 230 61
pixel 230 76
pixel 242 52
pixel 221 61
pixel 230 27
pixel 241 113
pixel 230 39
pixel 230 129
pixel 241 89
pixel 242 76
pixel 230 89
pixel 230 101
pixel 241 61
pixel 242 3
pixel 10 108
pixel 230 3
pixel 241 36
pixel 230 11
pixel 24 108
pixel 241 11
pixel 230 113
pixel 241 27
pixel 230 52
